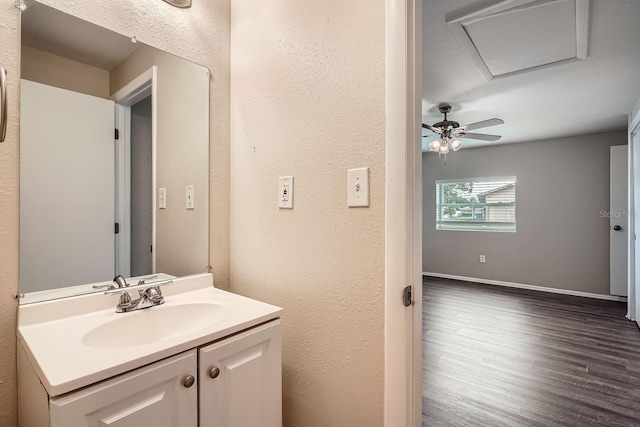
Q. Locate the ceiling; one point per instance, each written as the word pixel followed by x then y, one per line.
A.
pixel 481 63
pixel 51 30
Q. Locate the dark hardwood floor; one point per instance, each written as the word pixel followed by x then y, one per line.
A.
pixel 497 356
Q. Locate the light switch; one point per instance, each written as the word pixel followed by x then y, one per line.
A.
pixel 162 198
pixel 285 192
pixel 358 191
pixel 191 193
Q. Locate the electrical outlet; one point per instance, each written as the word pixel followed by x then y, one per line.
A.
pixel 483 259
pixel 285 192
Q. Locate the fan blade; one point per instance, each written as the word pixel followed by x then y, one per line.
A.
pixel 483 124
pixel 431 128
pixel 480 136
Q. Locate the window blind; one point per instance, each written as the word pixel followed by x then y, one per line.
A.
pixel 479 204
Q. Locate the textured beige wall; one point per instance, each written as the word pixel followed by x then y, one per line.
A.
pixel 53 70
pixel 308 100
pixel 9 215
pixel 562 241
pixel 200 34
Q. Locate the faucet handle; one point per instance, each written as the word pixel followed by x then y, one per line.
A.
pixel 154 294
pixel 125 298
pixel 138 287
pixel 107 286
pixel 144 280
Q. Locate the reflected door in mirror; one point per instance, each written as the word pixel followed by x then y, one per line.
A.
pixel 66 188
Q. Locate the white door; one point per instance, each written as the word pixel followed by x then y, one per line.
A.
pixel 66 188
pixel 155 395
pixel 618 217
pixel 241 380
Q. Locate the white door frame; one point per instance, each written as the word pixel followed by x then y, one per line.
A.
pixel 403 214
pixel 631 226
pixel 634 128
pixel 136 90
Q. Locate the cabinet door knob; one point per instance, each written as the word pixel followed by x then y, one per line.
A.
pixel 189 381
pixel 214 373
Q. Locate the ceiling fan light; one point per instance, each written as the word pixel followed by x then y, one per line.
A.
pixel 449 131
pixel 456 144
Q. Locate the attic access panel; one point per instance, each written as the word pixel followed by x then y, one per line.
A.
pixel 513 36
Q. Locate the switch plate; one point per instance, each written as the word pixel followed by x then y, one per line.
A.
pixel 285 192
pixel 190 197
pixel 162 198
pixel 358 187
pixel 483 259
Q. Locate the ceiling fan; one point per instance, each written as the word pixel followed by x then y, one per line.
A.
pixel 448 132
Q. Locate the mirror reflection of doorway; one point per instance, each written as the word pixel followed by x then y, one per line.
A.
pixel 141 189
pixel 135 176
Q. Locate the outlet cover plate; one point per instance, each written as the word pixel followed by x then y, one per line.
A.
pixel 285 192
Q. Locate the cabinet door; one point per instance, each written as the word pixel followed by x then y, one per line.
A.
pixel 154 395
pixel 245 388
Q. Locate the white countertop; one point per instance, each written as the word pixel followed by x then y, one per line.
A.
pixel 52 332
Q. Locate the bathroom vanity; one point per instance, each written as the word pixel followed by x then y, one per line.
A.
pixel 205 357
pixel 183 355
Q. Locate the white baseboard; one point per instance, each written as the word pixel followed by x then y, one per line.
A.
pixel 531 287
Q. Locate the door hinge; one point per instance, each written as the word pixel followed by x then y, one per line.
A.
pixel 407 296
pixel 117 134
pixel 151 248
pixel 117 228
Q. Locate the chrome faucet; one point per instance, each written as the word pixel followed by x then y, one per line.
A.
pixel 120 282
pixel 149 295
pixel 146 298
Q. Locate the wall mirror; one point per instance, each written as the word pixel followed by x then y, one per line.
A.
pixel 114 158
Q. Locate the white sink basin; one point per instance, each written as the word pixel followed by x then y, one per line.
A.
pixel 78 341
pixel 154 324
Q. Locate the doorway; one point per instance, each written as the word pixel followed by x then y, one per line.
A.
pixel 135 121
pixel 141 188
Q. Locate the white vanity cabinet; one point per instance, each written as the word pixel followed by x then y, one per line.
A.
pixel 206 357
pixel 163 394
pixel 233 382
pixel 241 379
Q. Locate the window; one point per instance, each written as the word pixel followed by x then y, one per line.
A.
pixel 481 204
